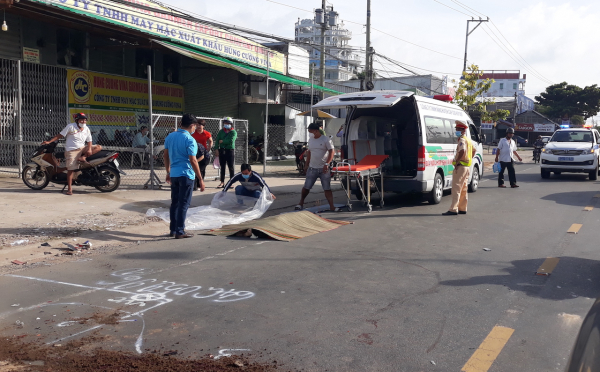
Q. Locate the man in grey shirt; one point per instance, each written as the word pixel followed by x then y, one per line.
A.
pixel 320 155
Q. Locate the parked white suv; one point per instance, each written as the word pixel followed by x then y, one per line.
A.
pixel 573 150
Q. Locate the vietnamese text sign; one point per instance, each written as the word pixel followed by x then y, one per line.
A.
pixel 176 28
pixel 31 55
pixel 524 127
pixel 545 128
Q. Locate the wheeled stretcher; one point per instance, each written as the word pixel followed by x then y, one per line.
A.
pixel 367 170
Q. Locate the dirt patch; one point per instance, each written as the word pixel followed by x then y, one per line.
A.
pixel 18 355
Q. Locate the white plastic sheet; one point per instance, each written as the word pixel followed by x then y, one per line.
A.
pixel 225 209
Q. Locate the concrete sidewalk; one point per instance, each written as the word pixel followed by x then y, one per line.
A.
pixel 112 220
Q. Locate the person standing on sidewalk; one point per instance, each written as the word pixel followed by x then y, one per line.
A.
pixel 226 148
pixel 320 155
pixel 462 168
pixel 205 142
pixel 505 153
pixel 182 169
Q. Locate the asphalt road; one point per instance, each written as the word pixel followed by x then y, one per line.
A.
pixel 402 289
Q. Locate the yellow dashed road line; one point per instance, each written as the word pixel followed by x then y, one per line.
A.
pixel 547 266
pixel 574 229
pixel 588 208
pixel 483 358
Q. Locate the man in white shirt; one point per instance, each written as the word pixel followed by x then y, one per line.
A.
pixel 78 146
pixel 320 154
pixel 141 138
pixel 505 153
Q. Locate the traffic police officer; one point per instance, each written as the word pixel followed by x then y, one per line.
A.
pixel 462 167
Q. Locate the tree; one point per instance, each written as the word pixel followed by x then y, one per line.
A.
pixel 469 95
pixel 577 120
pixel 563 99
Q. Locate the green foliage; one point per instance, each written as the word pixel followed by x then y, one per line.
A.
pixel 563 99
pixel 577 120
pixel 469 88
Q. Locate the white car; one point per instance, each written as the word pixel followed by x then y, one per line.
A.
pixel 573 150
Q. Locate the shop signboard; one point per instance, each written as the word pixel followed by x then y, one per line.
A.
pixel 154 19
pixel 112 100
pixel 548 128
pixel 524 127
pixel 31 55
pixel 487 125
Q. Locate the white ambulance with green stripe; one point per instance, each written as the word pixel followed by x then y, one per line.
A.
pixel 416 132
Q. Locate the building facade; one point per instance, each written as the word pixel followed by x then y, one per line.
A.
pixel 341 61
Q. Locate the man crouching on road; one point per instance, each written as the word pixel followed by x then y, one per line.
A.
pixel 462 167
pixel 182 169
pixel 77 135
pixel 320 155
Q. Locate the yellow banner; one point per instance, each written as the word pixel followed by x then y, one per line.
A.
pixel 93 90
pixel 163 22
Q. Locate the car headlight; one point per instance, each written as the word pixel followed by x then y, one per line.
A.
pixel 588 151
pixel 547 151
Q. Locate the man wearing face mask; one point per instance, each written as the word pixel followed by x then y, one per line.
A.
pixel 251 183
pixel 462 167
pixel 78 146
pixel 225 143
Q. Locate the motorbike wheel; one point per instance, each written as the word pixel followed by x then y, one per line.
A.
pixel 35 178
pixel 253 155
pixel 113 175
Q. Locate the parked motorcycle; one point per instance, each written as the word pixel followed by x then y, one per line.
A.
pixel 101 170
pixel 300 152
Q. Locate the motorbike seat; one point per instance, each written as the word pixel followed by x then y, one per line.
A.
pixel 99 155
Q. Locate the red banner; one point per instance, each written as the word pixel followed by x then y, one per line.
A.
pixel 525 127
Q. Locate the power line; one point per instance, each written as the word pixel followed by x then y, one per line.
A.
pixel 447 6
pixel 535 72
pixel 401 82
pixel 402 64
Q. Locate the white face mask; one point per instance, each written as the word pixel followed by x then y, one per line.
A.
pixel 82 125
pixel 311 135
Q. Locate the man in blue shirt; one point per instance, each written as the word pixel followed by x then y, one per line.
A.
pixel 182 169
pixel 251 183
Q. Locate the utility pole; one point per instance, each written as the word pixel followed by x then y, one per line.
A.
pixel 369 52
pixel 479 22
pixel 322 62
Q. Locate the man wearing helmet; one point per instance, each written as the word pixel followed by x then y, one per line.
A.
pixel 78 146
pixel 226 148
pixel 505 153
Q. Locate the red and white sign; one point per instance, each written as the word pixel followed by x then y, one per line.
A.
pixel 548 128
pixel 524 127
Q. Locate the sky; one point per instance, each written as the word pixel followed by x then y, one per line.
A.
pixel 553 41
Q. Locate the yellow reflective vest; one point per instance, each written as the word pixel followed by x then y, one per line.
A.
pixel 468 153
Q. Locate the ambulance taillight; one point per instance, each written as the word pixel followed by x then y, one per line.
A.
pixel 421 160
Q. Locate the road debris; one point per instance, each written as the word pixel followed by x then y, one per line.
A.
pixel 20 242
pixel 432 362
pixel 45 244
pixel 17 262
pixel 19 324
pixel 486 249
pixel 15 305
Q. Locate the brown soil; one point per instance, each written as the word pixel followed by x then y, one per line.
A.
pixel 19 355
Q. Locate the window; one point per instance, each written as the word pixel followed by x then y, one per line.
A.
pixel 70 47
pixel 501 85
pixel 515 86
pixel 438 130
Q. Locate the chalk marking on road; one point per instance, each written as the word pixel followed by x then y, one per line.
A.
pixel 588 208
pixel 76 334
pixel 483 358
pixel 70 284
pixel 227 353
pixel 574 229
pixel 547 266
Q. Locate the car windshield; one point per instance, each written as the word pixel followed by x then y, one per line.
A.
pixel 572 136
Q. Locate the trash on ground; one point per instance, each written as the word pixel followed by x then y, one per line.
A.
pixel 19 324
pixel 20 242
pixel 238 363
pixel 226 208
pixel 17 262
pixel 486 249
pixel 432 362
pixel 47 252
pixel 45 245
pixel 15 305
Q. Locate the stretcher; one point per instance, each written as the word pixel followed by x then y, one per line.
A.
pixel 367 170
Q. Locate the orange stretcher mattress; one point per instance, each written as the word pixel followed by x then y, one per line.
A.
pixel 368 162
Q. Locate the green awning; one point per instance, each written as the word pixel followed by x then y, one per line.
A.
pixel 241 67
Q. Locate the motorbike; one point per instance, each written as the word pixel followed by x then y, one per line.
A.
pixel 300 152
pixel 101 170
pixel 537 151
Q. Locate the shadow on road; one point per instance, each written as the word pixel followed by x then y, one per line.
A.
pixel 573 277
pixel 576 198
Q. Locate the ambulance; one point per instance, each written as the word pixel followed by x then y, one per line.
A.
pixel 416 132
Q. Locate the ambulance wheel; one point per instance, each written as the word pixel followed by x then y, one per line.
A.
pixel 436 193
pixel 474 180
